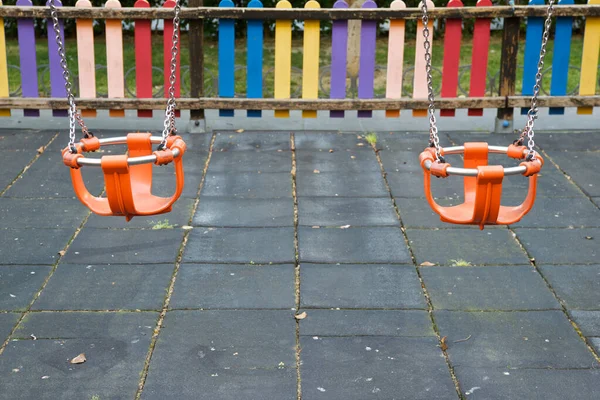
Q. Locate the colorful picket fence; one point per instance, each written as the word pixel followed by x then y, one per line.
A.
pixel 282 65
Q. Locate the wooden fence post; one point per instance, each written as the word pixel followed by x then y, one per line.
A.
pixel 508 71
pixel 196 44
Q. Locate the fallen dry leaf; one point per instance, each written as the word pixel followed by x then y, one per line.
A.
pixel 443 344
pixel 427 264
pixel 301 315
pixel 293 171
pixel 316 171
pixel 62 252
pixel 315 226
pixel 331 150
pixel 187 227
pixel 589 238
pixel 240 131
pixel 80 359
pixel 344 226
pixel 40 150
pixel 360 144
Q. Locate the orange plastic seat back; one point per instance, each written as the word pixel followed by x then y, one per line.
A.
pixel 129 188
pixel 483 193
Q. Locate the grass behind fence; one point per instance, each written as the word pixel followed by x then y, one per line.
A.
pixel 211 75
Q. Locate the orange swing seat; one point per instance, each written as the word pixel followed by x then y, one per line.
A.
pixel 127 178
pixel 482 184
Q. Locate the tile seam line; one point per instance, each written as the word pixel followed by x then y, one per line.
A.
pixel 294 183
pixel 170 288
pixel 424 291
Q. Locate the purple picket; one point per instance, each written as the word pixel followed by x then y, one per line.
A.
pixel 57 83
pixel 27 60
pixel 366 68
pixel 339 46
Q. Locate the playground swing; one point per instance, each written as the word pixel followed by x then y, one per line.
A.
pixel 482 182
pixel 127 178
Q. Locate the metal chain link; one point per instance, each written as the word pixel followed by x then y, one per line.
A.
pixel 74 115
pixel 169 124
pixel 434 139
pixel 532 114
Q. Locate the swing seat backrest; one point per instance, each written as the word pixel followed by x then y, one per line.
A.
pixel 482 193
pixel 129 187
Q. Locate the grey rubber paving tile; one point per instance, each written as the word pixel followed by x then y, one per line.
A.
pixel 539 384
pixel 38 213
pixel 224 355
pixel 27 140
pixel 19 284
pixel 7 323
pixel 561 212
pixel 360 286
pixel 234 287
pixel 353 245
pixel 234 212
pixel 416 213
pixel 587 321
pixel 49 177
pixel 487 288
pixel 115 345
pixel 240 245
pixel 494 246
pixel 519 339
pixel 366 323
pixel 407 141
pixel 12 164
pixel 248 185
pixel 373 367
pixel 240 141
pixel 342 160
pixel 251 161
pixel 106 287
pixel 336 211
pixel 577 165
pixel 574 141
pixel 99 246
pixel 342 184
pixel 561 246
pixel 330 140
pixel 578 286
pixel 400 161
pixel 33 246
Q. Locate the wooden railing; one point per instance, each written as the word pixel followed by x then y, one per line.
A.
pixel 503 95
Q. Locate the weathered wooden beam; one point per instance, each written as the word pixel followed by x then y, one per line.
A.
pixel 196 55
pixel 299 104
pixel 298 13
pixel 508 64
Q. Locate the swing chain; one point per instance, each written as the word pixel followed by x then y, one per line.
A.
pixel 169 124
pixel 74 115
pixel 532 114
pixel 434 140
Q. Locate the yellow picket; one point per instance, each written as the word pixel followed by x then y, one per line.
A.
pixel 283 59
pixel 589 59
pixel 310 62
pixel 4 92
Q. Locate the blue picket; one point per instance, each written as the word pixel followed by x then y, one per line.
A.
pixel 254 56
pixel 533 43
pixel 226 58
pixel 560 60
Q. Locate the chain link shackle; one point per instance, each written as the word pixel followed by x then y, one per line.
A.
pixel 434 139
pixel 169 124
pixel 533 111
pixel 74 115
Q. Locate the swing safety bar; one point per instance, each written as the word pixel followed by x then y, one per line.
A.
pixel 150 159
pixel 472 171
